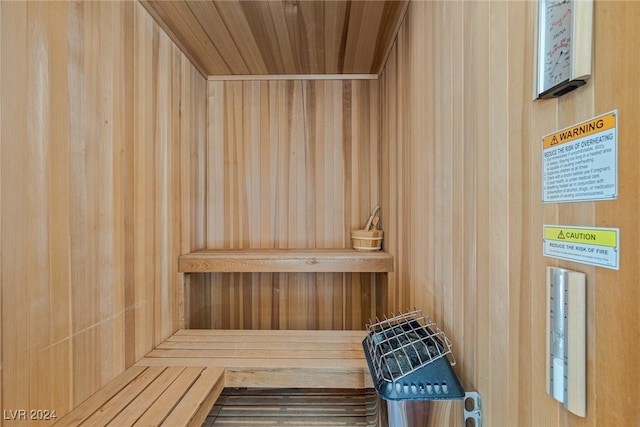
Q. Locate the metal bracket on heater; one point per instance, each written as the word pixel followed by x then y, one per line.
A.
pixel 472 409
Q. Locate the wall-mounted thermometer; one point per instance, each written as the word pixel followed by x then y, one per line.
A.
pixel 566 338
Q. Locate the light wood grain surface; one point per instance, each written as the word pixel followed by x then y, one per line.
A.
pixel 101 117
pixel 461 188
pixel 155 395
pixel 290 164
pixel 284 260
pixel 270 358
pixel 282 37
pixel 614 348
pixel 111 160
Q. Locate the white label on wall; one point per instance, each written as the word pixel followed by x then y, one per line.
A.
pixel 586 245
pixel 580 163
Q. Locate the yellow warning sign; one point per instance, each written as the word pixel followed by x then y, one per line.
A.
pixel 590 236
pixel 587 245
pixel 581 130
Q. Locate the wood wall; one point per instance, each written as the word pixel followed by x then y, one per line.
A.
pixel 102 120
pixel 461 192
pixel 105 178
pixel 290 164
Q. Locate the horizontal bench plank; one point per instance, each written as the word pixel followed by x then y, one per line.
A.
pixel 233 362
pixel 284 260
pixel 293 335
pixel 252 346
pixel 297 378
pixel 267 353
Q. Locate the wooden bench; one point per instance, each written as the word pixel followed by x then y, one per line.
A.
pixel 177 383
pixel 151 396
pixel 270 358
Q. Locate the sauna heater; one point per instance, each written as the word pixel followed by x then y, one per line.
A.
pixel 410 362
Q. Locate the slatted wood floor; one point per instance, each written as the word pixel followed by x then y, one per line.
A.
pixel 293 407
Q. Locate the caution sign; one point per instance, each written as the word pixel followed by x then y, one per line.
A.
pixel 580 163
pixel 586 245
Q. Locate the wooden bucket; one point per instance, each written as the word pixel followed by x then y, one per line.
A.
pixel 366 241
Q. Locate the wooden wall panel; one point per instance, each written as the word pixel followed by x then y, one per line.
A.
pixel 616 316
pixel 461 189
pixel 102 123
pixel 290 164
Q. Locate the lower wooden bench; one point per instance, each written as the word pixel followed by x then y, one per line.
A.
pixel 151 396
pixel 270 358
pixel 178 382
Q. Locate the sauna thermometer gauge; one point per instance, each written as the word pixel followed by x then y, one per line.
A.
pixel 566 338
pixel 564 46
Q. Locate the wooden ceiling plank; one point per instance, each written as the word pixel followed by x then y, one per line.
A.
pixel 235 20
pixel 351 38
pixel 279 11
pixel 259 17
pixel 311 47
pixel 335 15
pixel 187 33
pixel 364 25
pixel 219 35
pixel 157 13
pixel 392 20
pixel 195 32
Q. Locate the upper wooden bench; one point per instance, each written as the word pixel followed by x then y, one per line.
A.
pixel 177 383
pixel 285 260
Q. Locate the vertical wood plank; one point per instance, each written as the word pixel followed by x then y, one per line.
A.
pixel 615 292
pixel 38 132
pixel 15 159
pixel 2 105
pixel 125 117
pixel 498 153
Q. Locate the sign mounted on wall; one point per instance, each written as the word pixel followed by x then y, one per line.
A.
pixel 580 163
pixel 586 245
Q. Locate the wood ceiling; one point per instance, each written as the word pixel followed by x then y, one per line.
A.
pixel 281 37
